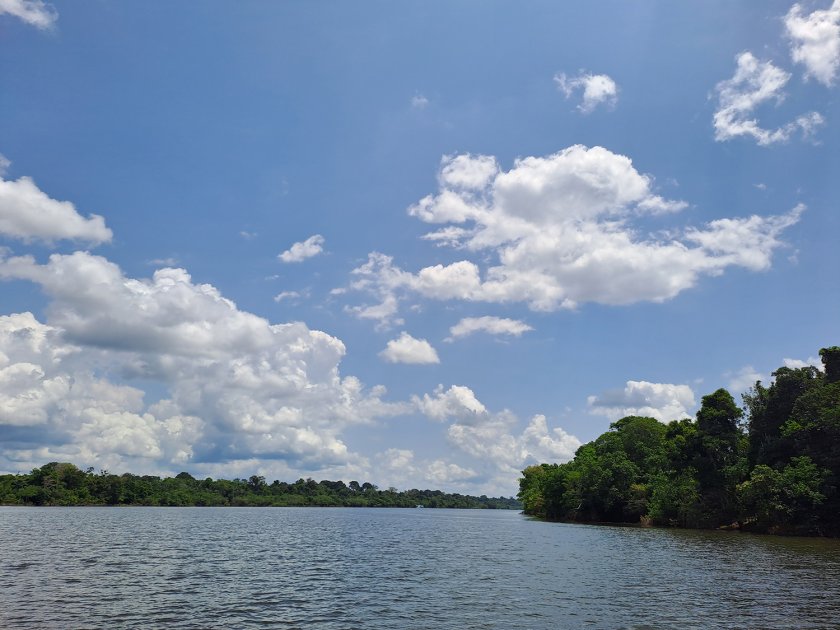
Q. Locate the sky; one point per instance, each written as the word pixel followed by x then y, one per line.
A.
pixel 420 244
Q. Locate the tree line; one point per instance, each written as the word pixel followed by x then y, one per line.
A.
pixel 61 483
pixel 772 466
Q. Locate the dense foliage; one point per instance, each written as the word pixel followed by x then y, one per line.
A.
pixel 773 466
pixel 65 484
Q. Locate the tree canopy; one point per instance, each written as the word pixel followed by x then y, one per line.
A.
pixel 773 466
pixel 65 484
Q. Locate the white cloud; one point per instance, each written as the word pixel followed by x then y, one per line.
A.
pixel 400 468
pixel 441 473
pixel 407 349
pixel 490 325
pixel 27 213
pixel 494 441
pixel 467 172
pixel 799 363
pixel 299 252
pixel 743 379
pixel 236 387
pixel 286 295
pixel 458 402
pixel 380 277
pixel 500 452
pixel 561 230
pixel 663 401
pixel 596 89
pixel 418 101
pixel 756 83
pixel 815 41
pixel 397 459
pixel 34 12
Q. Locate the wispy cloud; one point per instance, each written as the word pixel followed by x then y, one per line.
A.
pixel 34 12
pixel 418 101
pixel 596 89
pixel 756 83
pixel 490 325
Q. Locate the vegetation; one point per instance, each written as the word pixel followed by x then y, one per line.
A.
pixel 65 484
pixel 773 466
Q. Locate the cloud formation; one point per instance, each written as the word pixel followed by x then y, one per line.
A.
pixel 495 441
pixel 418 101
pixel 499 449
pixel 799 363
pixel 596 89
pixel 407 349
pixel 34 12
pixel 236 387
pixel 299 252
pixel 663 401
pixel 399 467
pixel 756 83
pixel 456 403
pixel 744 378
pixel 27 213
pixel 562 232
pixel 815 41
pixel 490 325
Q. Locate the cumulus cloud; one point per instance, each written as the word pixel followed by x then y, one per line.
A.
pixel 663 401
pixel 299 252
pixel 756 83
pixel 400 468
pixel 442 473
pixel 815 41
pixel 595 89
pixel 27 213
pixel 495 441
pixel 236 387
pixel 456 403
pixel 50 387
pixel 407 349
pixel 34 12
pixel 490 325
pixel 562 231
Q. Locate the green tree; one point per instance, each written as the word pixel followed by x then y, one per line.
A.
pixel 770 407
pixel 784 500
pixel 719 457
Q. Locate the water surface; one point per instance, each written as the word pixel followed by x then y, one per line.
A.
pixel 341 568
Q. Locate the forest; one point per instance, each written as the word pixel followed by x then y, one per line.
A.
pixel 61 483
pixel 771 465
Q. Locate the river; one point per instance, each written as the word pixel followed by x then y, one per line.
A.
pixel 343 568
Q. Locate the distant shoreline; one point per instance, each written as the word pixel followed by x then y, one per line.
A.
pixel 63 484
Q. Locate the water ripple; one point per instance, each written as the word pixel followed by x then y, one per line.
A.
pixel 198 568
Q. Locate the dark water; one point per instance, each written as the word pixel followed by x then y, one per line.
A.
pixel 382 568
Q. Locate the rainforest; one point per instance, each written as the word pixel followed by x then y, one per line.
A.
pixel 771 465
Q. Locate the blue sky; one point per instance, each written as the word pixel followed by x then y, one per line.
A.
pixel 423 244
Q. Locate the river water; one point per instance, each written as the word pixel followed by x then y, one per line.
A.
pixel 347 568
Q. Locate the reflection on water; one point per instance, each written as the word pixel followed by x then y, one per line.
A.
pixel 389 568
